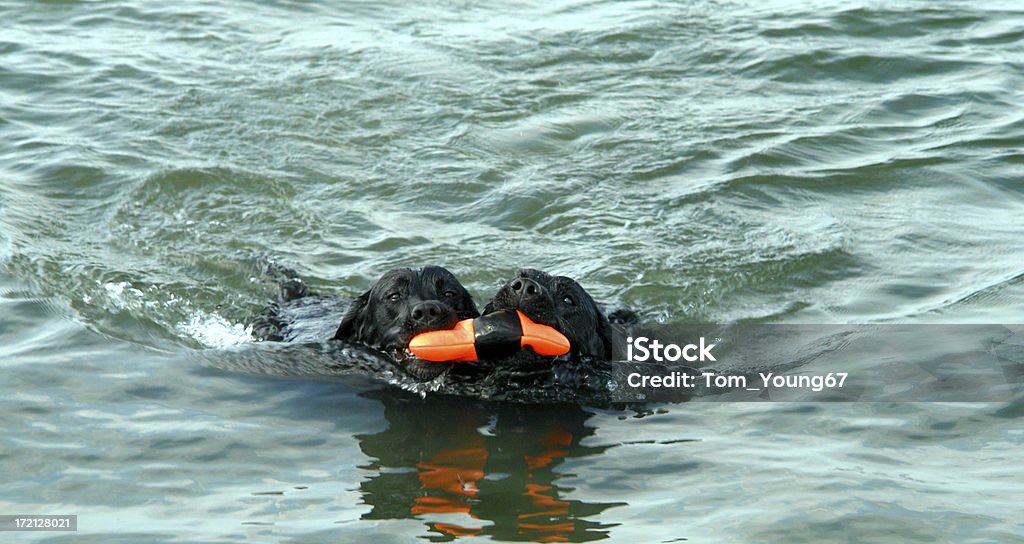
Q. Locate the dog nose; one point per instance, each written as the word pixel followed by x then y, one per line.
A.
pixel 429 312
pixel 525 288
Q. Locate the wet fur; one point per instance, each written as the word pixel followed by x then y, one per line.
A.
pixel 562 303
pixel 401 304
pixel 384 316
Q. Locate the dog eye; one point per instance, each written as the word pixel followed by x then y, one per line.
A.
pixel 394 297
pixel 568 300
pixel 449 294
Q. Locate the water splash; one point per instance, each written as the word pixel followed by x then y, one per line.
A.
pixel 214 331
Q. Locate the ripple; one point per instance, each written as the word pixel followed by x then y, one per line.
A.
pixel 880 24
pixel 825 64
pixel 699 161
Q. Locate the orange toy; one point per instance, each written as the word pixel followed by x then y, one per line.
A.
pixel 488 336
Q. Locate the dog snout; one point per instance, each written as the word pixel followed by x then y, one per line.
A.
pixel 525 288
pixel 429 313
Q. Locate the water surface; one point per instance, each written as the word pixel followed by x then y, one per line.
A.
pixel 799 162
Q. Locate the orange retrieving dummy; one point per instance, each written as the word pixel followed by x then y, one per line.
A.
pixel 489 336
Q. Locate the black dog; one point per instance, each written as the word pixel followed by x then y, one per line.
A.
pixel 404 303
pixel 401 304
pixel 560 302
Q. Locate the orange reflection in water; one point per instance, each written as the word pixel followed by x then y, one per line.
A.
pixel 480 469
pixel 450 479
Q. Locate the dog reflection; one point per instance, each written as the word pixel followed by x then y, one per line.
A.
pixel 474 469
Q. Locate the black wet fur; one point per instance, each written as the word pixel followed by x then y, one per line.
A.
pixel 401 304
pixel 560 302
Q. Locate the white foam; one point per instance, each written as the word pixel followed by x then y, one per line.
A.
pixel 210 330
pixel 213 331
pixel 123 295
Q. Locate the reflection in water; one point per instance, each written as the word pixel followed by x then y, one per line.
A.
pixel 470 468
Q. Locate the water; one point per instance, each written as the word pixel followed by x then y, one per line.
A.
pixel 800 162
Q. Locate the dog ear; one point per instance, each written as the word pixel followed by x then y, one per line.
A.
pixel 604 332
pixel 471 313
pixel 466 308
pixel 351 328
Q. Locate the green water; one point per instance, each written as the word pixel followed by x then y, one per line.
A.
pixel 800 162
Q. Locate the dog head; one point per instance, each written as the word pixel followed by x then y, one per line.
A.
pixel 403 303
pixel 559 302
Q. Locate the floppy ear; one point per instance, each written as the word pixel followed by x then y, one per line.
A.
pixel 471 313
pixel 604 332
pixel 352 324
